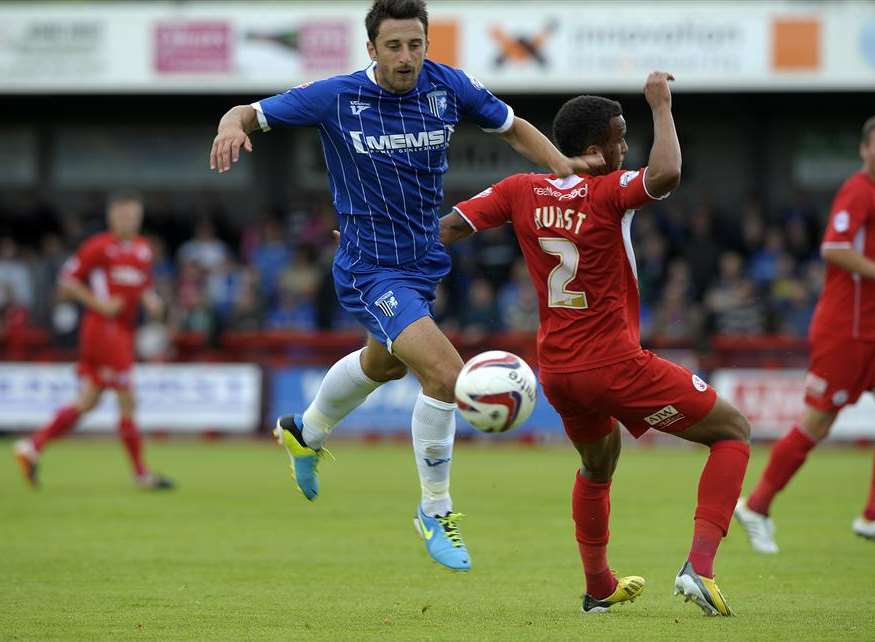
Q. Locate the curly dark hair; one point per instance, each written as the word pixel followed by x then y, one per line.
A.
pixel 584 121
pixel 394 10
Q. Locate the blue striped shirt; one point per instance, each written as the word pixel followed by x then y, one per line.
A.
pixel 386 153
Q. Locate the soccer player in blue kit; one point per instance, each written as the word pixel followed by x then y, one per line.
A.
pixel 385 131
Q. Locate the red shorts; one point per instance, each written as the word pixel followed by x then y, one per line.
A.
pixel 643 392
pixel 841 370
pixel 106 353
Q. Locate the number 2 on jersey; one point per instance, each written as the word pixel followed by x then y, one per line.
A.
pixel 559 296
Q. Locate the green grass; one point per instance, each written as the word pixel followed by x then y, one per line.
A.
pixel 235 554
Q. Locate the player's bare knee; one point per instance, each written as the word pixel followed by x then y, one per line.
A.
pixel 442 383
pixel 394 371
pixel 817 423
pixel 598 469
pixel 739 427
pixel 87 403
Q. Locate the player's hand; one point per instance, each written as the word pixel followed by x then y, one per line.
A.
pixel 656 89
pixel 336 235
pixel 226 148
pixel 153 304
pixel 110 307
pixel 585 164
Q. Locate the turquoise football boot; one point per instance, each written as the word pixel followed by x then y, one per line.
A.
pixel 303 460
pixel 443 540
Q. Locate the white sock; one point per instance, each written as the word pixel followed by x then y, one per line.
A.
pixel 434 428
pixel 344 388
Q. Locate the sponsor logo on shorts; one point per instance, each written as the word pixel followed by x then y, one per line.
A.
pixel 814 385
pixel 387 304
pixel 664 417
pixel 840 397
pixel 698 384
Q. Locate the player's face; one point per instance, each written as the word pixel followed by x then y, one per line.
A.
pixel 614 151
pixel 399 52
pixel 125 217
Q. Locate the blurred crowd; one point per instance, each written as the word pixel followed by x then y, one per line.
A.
pixel 702 271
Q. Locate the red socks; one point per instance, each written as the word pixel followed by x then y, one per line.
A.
pixel 64 420
pixel 719 488
pixel 591 509
pixel 133 444
pixel 869 513
pixel 787 457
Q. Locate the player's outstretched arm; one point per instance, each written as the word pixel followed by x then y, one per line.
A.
pixel 664 167
pixel 233 132
pixel 527 141
pixel 71 288
pixel 454 228
pixel 850 260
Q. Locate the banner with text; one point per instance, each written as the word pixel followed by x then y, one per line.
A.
pixel 262 48
pixel 772 400
pixel 186 398
pixel 389 408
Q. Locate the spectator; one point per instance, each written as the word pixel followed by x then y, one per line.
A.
pixel 701 252
pixel 205 249
pixel 763 265
pixel 675 317
pixel 518 300
pixel 15 273
pixel 246 313
pixel 271 255
pixel 732 302
pixel 481 315
pixel 291 313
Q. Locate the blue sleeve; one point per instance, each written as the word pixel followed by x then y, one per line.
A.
pixel 304 105
pixel 478 104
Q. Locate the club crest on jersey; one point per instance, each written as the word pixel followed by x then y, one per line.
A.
pixel 358 106
pixel 437 103
pixel 387 304
pixel 628 177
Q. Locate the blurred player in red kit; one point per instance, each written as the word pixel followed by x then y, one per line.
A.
pixel 842 339
pixel 110 275
pixel 575 235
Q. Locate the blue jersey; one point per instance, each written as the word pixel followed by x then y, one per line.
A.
pixel 386 153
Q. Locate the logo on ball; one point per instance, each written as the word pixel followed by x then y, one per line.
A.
pixel 496 391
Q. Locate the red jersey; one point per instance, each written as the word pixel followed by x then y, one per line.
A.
pixel 112 267
pixel 575 234
pixel 847 303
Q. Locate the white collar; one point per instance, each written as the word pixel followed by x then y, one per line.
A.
pixel 371 73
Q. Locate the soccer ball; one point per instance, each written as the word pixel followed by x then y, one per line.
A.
pixel 495 391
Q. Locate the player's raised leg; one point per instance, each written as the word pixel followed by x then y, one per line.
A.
pixel 727 433
pixel 436 363
pixel 27 451
pixel 864 526
pixel 591 510
pixel 345 387
pixel 787 456
pixel 133 443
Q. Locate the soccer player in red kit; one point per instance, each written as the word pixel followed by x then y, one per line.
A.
pixel 109 275
pixel 575 235
pixel 842 338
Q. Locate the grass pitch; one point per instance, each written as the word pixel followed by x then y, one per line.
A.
pixel 236 554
